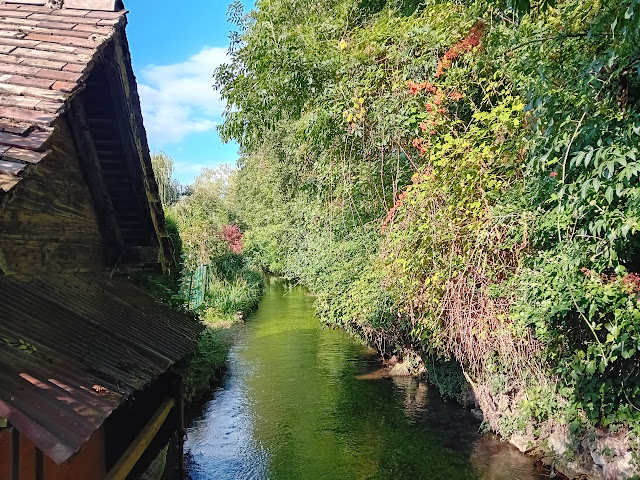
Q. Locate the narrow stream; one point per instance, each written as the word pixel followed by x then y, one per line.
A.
pixel 294 405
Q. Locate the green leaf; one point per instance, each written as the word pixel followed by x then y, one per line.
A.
pixel 609 194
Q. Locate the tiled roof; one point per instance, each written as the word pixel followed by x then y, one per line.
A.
pixel 74 347
pixel 45 55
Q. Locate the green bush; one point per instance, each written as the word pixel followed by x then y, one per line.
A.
pixel 459 178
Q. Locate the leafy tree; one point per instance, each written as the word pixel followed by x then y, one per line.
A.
pixel 456 178
pixel 168 186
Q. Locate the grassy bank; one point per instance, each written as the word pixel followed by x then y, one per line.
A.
pixel 233 291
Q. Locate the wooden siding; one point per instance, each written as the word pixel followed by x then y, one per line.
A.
pixel 48 222
pixel 88 463
pixel 131 102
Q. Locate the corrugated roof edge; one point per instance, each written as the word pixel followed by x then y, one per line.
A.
pixel 74 347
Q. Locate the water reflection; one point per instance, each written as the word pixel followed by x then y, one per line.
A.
pixel 304 402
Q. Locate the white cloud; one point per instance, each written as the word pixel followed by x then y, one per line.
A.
pixel 179 99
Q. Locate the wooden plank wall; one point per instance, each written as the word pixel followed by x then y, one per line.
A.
pixel 139 140
pixel 5 453
pixel 48 222
pixel 87 464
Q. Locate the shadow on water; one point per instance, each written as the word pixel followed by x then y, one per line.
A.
pixel 297 403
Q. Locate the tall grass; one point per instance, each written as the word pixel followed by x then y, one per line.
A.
pixel 233 291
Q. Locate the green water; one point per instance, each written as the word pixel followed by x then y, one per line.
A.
pixel 297 403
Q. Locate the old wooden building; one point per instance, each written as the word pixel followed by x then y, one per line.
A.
pixel 86 358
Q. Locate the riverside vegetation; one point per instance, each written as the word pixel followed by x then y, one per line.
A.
pixel 458 183
pixel 213 280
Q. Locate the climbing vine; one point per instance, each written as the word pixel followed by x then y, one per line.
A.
pixel 455 178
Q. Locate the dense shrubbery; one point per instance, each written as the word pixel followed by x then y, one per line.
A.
pixel 458 178
pixel 212 278
pixel 233 290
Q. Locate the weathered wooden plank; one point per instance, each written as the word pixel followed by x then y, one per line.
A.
pixel 27 115
pixel 27 156
pixel 128 102
pixel 34 141
pixel 7 48
pixel 66 230
pixel 11 168
pixel 81 131
pixel 7 182
pixel 123 467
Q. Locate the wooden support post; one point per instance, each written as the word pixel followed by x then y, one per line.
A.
pixel 15 454
pixel 39 464
pixel 140 144
pixel 92 168
pixel 129 459
pixel 181 430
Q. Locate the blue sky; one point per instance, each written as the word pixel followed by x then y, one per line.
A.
pixel 175 47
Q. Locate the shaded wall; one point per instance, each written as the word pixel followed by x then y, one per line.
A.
pixel 87 464
pixel 48 222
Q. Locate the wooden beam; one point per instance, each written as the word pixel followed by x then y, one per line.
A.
pixel 92 170
pixel 141 147
pixel 15 454
pixel 182 432
pixel 140 444
pixel 39 464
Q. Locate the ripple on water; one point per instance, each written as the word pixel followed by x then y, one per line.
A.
pixel 304 402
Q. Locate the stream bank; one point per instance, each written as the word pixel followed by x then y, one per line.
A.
pixel 302 401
